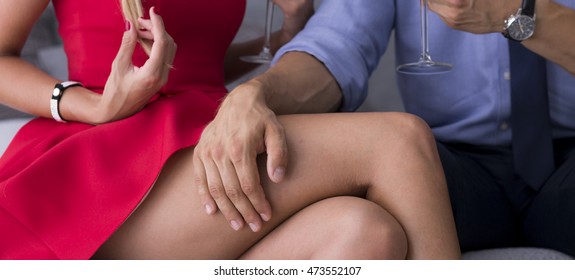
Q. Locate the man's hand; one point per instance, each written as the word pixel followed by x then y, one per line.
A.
pixel 475 16
pixel 296 14
pixel 226 171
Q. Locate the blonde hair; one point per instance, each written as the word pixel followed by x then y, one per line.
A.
pixel 132 10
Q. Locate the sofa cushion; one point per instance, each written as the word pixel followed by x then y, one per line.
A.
pixel 520 253
pixel 9 128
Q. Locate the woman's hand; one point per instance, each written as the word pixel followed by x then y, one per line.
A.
pixel 296 14
pixel 129 88
pixel 225 167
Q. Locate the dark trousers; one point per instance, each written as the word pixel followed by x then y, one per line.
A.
pixel 493 208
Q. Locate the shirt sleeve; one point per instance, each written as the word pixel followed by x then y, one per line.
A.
pixel 348 37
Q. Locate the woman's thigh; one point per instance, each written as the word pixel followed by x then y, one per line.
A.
pixel 329 155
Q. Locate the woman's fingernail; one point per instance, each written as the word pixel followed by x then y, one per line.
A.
pixel 128 25
pixel 235 225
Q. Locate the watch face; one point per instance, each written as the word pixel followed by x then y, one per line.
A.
pixel 522 28
pixel 56 92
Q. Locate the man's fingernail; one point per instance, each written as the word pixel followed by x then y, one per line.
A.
pixel 209 209
pixel 235 225
pixel 254 227
pixel 279 174
pixel 265 217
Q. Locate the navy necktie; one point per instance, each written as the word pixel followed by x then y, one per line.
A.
pixel 532 144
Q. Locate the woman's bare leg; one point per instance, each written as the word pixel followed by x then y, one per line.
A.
pixel 390 158
pixel 335 228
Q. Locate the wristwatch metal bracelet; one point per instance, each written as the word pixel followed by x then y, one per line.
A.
pixel 57 95
pixel 521 25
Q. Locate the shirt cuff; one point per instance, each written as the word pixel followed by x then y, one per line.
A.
pixel 347 69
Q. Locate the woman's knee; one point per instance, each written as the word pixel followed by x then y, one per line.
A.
pixel 364 231
pixel 408 127
pixel 402 134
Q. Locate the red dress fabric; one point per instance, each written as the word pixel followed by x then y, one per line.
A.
pixel 66 187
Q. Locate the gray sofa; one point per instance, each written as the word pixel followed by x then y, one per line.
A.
pixel 44 50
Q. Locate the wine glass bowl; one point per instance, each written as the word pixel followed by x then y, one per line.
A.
pixel 425 65
pixel 265 56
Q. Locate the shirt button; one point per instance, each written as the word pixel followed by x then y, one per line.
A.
pixel 507 75
pixel 504 126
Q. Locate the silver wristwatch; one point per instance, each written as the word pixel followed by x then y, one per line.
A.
pixel 521 26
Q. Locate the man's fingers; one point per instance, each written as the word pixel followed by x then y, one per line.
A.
pixel 244 160
pixel 220 195
pixel 276 148
pixel 201 184
pixel 241 195
pixel 249 178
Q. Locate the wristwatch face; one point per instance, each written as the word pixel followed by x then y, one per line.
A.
pixel 521 28
pixel 56 92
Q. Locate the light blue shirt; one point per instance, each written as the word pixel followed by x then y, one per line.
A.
pixel 470 104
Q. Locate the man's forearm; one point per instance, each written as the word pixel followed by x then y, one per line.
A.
pixel 554 37
pixel 299 83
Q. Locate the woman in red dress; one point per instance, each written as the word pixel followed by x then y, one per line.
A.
pixel 106 169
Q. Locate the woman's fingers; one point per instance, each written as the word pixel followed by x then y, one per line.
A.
pixel 145 35
pixel 163 48
pixel 123 60
pixel 162 41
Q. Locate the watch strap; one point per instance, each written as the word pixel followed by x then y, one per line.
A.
pixel 57 93
pixel 528 8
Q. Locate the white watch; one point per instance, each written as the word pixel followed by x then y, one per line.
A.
pixel 57 95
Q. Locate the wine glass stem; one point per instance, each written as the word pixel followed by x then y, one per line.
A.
pixel 268 28
pixel 424 32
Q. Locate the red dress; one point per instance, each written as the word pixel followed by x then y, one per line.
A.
pixel 66 187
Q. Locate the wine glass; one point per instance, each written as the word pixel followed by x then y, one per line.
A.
pixel 265 56
pixel 425 65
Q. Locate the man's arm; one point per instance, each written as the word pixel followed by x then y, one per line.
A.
pixel 553 39
pixel 348 38
pixel 299 83
pixel 246 127
pixel 554 36
pixel 343 41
